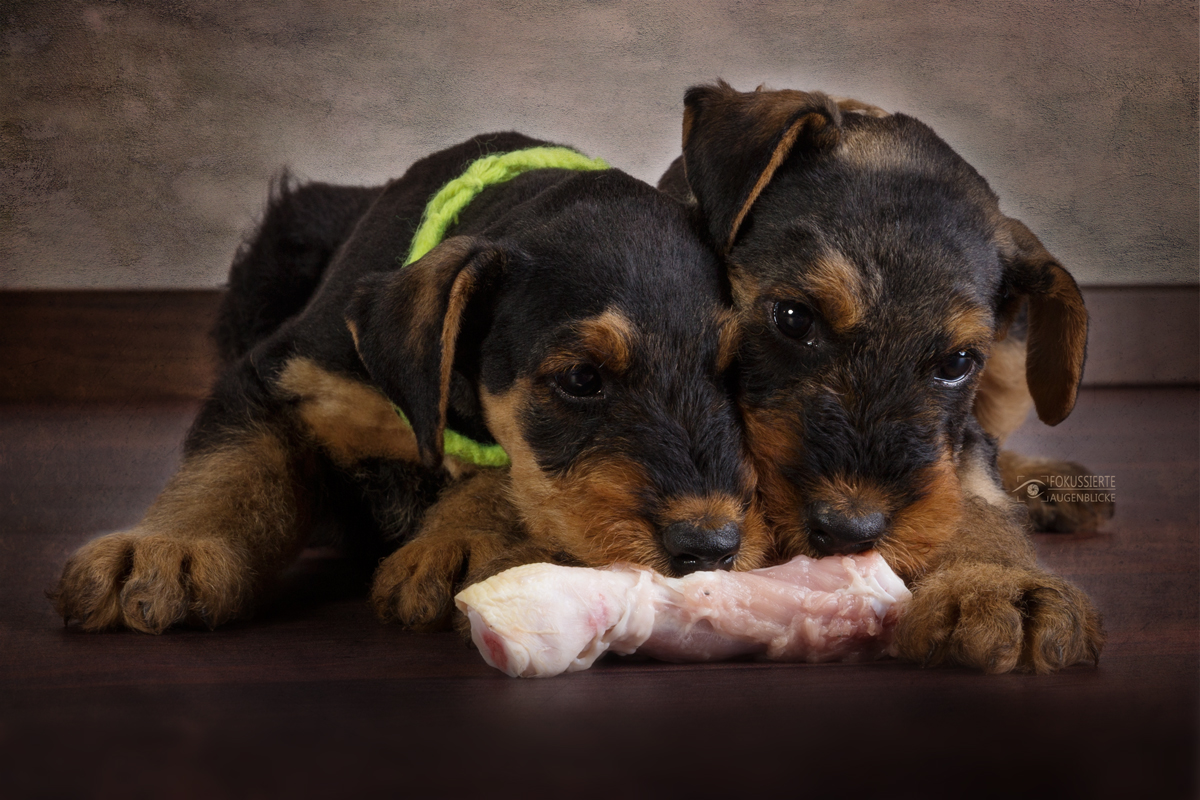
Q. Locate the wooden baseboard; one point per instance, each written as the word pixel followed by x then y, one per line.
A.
pixel 1143 336
pixel 103 346
pixel 100 346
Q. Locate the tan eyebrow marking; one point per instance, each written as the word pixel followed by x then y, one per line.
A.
pixel 838 287
pixel 608 339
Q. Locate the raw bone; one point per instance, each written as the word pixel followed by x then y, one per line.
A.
pixel 540 620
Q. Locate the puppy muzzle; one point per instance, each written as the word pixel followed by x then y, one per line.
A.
pixel 694 548
pixel 835 532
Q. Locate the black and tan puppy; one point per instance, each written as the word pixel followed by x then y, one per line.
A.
pixel 875 281
pixel 575 318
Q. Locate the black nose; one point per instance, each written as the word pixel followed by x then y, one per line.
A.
pixel 694 548
pixel 836 533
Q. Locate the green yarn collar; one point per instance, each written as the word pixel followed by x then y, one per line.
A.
pixel 442 212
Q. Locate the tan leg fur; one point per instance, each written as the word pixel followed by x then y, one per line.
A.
pixel 230 518
pixel 984 603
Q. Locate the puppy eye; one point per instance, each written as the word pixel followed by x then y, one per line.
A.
pixel 582 380
pixel 795 321
pixel 955 367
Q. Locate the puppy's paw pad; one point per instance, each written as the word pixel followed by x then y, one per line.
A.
pixel 89 589
pixel 958 616
pixel 415 585
pixel 989 632
pixel 149 582
pixel 999 619
pixel 1062 628
pixel 927 625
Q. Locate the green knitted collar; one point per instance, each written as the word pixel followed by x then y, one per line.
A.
pixel 442 212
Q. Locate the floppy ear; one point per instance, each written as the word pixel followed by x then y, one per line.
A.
pixel 733 142
pixel 1058 322
pixel 405 326
pixel 674 184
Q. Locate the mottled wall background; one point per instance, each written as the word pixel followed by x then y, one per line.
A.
pixel 137 139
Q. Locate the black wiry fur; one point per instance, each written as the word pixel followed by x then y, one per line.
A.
pixel 322 330
pixel 276 272
pixel 869 261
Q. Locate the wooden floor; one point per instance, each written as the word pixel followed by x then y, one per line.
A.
pixel 315 699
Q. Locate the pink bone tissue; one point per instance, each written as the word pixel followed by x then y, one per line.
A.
pixel 540 620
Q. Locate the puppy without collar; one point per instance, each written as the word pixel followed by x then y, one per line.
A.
pixel 875 281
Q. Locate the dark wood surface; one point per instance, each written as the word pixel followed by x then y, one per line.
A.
pixel 106 346
pixel 314 698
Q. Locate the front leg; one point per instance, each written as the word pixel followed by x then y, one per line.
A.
pixel 986 604
pixel 227 521
pixel 470 534
pixel 470 524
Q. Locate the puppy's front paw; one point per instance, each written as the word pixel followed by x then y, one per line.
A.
pixel 998 619
pixel 1062 496
pixel 415 585
pixel 150 581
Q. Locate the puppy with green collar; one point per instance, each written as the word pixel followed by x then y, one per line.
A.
pixel 557 353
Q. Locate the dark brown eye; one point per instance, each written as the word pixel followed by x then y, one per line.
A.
pixel 582 380
pixel 955 367
pixel 795 321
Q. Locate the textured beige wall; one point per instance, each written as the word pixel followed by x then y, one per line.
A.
pixel 137 138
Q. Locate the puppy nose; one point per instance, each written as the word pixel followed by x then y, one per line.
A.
pixel 836 533
pixel 694 548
